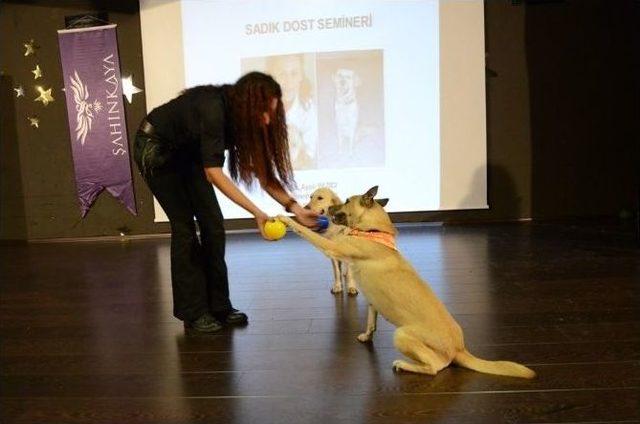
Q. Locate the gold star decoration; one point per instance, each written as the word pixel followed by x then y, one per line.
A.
pixel 19 91
pixel 34 121
pixel 37 72
pixel 45 96
pixel 128 89
pixel 30 48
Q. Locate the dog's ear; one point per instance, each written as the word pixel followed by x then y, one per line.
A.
pixel 382 202
pixel 367 199
pixel 335 200
pixel 371 192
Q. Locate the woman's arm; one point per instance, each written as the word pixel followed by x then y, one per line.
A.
pixel 306 217
pixel 216 177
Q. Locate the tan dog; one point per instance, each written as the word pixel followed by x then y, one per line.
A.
pixel 426 332
pixel 321 200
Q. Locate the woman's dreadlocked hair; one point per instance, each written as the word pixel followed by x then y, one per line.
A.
pixel 260 151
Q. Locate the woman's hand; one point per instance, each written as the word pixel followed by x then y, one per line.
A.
pixel 306 217
pixel 261 219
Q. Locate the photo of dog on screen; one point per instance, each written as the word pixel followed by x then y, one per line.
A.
pixel 350 109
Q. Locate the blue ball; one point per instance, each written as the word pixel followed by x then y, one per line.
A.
pixel 323 223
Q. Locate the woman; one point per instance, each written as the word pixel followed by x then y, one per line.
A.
pixel 179 149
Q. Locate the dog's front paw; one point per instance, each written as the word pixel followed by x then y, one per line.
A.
pixel 399 365
pixel 284 219
pixel 353 291
pixel 365 337
pixel 337 288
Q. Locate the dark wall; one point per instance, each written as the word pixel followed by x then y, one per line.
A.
pixel 585 115
pixel 562 117
pixel 38 187
pixel 13 222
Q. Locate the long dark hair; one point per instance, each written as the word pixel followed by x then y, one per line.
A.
pixel 260 151
pixel 305 91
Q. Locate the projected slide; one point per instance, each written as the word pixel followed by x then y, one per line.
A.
pixel 362 89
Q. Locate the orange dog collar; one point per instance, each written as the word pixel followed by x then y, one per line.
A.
pixel 377 236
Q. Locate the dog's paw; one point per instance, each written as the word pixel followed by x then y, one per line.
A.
pixel 398 365
pixel 284 219
pixel 353 291
pixel 336 289
pixel 365 337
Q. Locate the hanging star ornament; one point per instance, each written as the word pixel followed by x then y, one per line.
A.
pixel 19 91
pixel 37 72
pixel 30 48
pixel 45 96
pixel 128 89
pixel 34 121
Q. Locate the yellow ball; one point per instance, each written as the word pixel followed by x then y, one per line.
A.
pixel 275 230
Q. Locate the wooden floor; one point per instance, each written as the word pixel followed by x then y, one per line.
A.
pixel 88 336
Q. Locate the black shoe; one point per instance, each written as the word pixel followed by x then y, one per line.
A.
pixel 232 317
pixel 205 324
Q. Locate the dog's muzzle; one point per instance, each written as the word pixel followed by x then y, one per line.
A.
pixel 339 218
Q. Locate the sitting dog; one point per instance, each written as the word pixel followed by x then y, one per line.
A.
pixel 346 108
pixel 426 332
pixel 320 202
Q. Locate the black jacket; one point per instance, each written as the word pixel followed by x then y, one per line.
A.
pixel 195 123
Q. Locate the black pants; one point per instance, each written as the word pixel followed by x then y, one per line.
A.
pixel 198 269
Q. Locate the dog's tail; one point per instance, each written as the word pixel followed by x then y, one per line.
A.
pixel 511 369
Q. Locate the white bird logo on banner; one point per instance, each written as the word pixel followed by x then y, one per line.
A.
pixel 84 108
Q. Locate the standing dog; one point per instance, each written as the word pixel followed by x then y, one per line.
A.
pixel 426 332
pixel 321 200
pixel 346 108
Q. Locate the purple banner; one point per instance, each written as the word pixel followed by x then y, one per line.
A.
pixel 95 108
